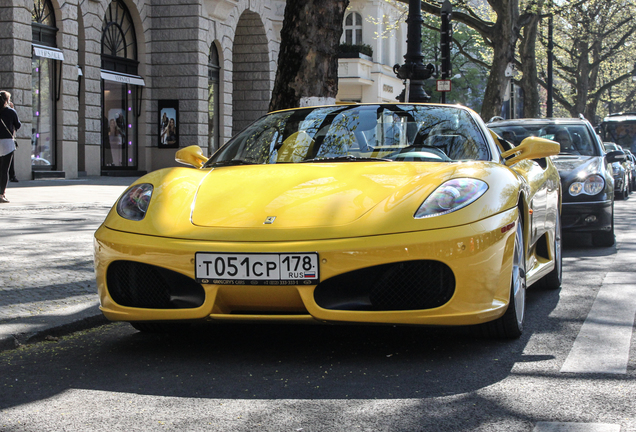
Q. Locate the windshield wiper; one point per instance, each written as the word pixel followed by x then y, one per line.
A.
pixel 348 158
pixel 231 162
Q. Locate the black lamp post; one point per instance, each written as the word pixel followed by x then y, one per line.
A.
pixel 413 70
pixel 549 103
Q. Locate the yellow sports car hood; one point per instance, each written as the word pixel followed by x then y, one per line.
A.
pixel 299 195
pixel 286 202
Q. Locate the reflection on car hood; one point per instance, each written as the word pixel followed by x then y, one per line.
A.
pixel 311 201
pixel 298 195
pixel 579 166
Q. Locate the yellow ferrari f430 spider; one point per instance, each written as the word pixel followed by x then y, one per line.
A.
pixel 370 213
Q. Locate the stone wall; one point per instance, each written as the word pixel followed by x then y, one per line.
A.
pixel 173 40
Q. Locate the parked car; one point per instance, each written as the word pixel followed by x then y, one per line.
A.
pixel 621 171
pixel 632 159
pixel 584 167
pixel 620 128
pixel 380 213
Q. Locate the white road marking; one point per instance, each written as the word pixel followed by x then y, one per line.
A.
pixel 575 427
pixel 603 343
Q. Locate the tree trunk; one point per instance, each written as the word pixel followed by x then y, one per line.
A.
pixel 308 59
pixel 583 78
pixel 529 81
pixel 504 41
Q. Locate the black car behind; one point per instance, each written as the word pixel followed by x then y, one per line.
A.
pixel 585 170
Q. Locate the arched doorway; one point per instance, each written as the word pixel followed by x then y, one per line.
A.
pixel 121 90
pixel 252 85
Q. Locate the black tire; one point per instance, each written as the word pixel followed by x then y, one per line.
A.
pixel 604 238
pixel 620 194
pixel 624 191
pixel 554 279
pixel 510 324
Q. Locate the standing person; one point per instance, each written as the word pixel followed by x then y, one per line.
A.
pixel 10 124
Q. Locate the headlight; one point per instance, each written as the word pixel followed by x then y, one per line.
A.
pixel 451 196
pixel 592 185
pixel 134 203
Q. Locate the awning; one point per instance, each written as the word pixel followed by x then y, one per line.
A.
pixel 123 78
pixel 48 52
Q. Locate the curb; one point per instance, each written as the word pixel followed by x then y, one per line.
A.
pixel 9 340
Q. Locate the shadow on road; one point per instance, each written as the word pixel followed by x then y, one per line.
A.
pixel 256 361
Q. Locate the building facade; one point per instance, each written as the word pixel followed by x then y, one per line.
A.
pixel 381 26
pixel 113 87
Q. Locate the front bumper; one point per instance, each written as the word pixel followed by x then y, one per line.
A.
pixel 478 254
pixel 588 216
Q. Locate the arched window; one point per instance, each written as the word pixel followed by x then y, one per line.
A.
pixel 44 76
pixel 121 89
pixel 43 22
pixel 353 29
pixel 119 44
pixel 214 70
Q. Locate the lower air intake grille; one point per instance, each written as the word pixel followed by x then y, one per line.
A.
pixel 141 285
pixel 409 285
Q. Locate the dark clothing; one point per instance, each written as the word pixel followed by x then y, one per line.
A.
pixel 12 123
pixel 12 170
pixel 10 118
pixel 5 162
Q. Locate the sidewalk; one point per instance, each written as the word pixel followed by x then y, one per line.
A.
pixel 47 285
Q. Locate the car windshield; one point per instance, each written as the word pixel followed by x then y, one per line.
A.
pixel 622 133
pixel 575 139
pixel 423 133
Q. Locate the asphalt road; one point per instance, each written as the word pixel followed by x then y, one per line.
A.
pixel 354 378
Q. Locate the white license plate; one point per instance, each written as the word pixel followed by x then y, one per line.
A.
pixel 256 269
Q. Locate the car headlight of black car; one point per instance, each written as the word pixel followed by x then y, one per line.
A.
pixel 451 196
pixel 592 185
pixel 134 203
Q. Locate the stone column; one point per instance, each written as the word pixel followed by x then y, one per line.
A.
pixel 68 106
pixel 91 109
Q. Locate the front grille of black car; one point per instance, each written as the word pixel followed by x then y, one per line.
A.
pixel 142 285
pixel 409 285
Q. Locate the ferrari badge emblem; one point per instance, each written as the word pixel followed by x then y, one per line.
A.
pixel 269 220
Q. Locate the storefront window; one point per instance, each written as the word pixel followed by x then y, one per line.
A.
pixel 43 79
pixel 119 150
pixel 213 101
pixel 42 131
pixel 120 89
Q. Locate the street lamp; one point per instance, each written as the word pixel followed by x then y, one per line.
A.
pixel 413 71
pixel 550 104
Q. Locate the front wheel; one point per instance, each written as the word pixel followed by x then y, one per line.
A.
pixel 510 324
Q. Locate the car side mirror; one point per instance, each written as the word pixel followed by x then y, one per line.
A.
pixel 531 148
pixel 615 156
pixel 192 155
